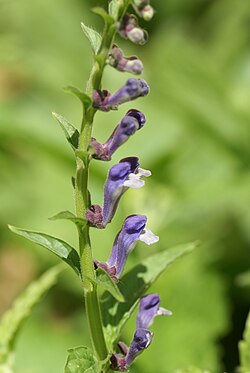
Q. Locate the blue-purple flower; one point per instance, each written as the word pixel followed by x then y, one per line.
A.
pixel 133 229
pixel 149 307
pixel 130 123
pixel 117 60
pixel 123 175
pixel 133 88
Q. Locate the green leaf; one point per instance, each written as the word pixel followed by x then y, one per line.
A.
pixel 133 285
pixel 13 319
pixel 83 97
pixel 114 6
pixel 67 215
pixel 102 13
pixel 93 36
pixel 244 349
pixel 55 245
pixel 81 360
pixel 71 133
pixel 106 282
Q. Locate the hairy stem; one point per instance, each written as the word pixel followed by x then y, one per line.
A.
pixel 82 195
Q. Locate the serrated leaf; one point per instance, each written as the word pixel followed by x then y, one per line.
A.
pixel 133 285
pixel 71 133
pixel 93 36
pixel 21 309
pixel 106 282
pixel 57 246
pixel 67 215
pixel 81 360
pixel 83 97
pixel 244 349
pixel 102 13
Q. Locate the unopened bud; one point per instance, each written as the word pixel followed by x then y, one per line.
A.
pixel 129 29
pixel 147 12
pixel 137 36
pixel 125 64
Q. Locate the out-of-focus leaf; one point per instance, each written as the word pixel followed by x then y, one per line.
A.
pixel 191 370
pixel 243 279
pixel 67 215
pixel 106 282
pixel 93 36
pixel 83 97
pixel 21 309
pixel 71 133
pixel 244 349
pixel 7 365
pixel 57 246
pixel 133 285
pixel 81 360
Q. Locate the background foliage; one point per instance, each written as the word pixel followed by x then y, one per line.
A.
pixel 196 142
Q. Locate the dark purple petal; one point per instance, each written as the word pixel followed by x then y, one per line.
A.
pixel 142 339
pixel 138 115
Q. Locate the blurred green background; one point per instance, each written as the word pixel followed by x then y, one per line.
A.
pixel 196 143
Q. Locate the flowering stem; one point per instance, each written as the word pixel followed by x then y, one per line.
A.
pixel 82 195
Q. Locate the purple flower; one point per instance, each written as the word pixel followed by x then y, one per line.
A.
pixel 148 309
pixel 133 229
pixel 129 29
pixel 121 63
pixel 131 122
pixel 133 88
pixel 123 175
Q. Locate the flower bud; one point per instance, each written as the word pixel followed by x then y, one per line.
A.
pixel 129 29
pixel 132 89
pixel 121 63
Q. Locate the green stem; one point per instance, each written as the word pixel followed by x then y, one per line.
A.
pixel 82 195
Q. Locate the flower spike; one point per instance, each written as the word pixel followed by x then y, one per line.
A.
pixel 132 89
pixel 133 229
pixel 130 123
